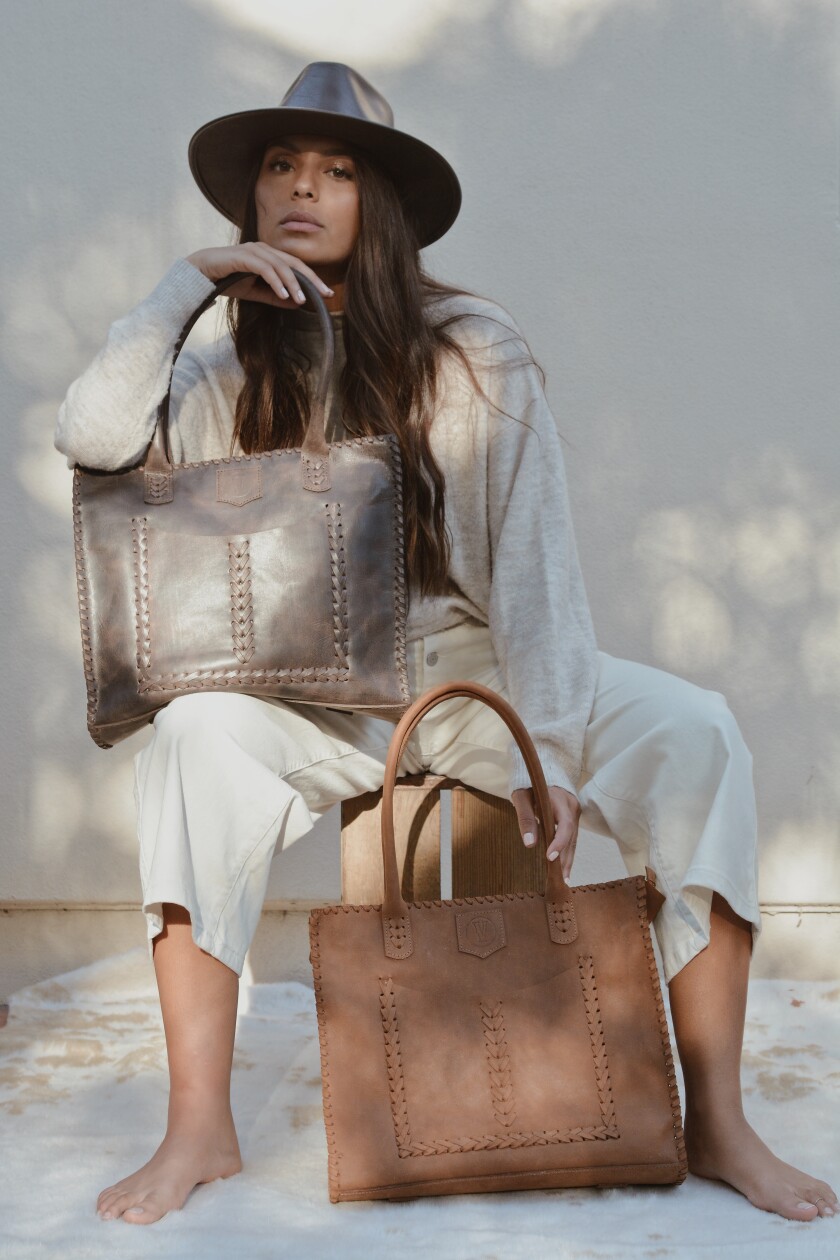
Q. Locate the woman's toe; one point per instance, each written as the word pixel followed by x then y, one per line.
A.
pixel 142 1214
pixel 822 1196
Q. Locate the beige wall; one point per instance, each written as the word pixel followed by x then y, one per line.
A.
pixel 651 188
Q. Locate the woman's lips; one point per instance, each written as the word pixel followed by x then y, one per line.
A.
pixel 300 225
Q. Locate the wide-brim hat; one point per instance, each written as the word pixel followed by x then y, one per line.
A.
pixel 331 99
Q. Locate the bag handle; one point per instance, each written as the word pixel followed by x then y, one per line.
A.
pixel 314 452
pixel 396 917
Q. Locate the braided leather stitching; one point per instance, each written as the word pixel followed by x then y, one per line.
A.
pixel 211 678
pixel 157 487
pixel 398 938
pixel 562 921
pixel 338 573
pixel 498 1061
pixel 241 605
pixel 316 473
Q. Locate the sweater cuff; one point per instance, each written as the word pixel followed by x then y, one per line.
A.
pixel 556 774
pixel 179 292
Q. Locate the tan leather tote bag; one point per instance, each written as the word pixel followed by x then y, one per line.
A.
pixel 275 574
pixel 510 1042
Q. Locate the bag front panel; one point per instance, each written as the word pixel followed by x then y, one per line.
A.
pixel 536 1058
pixel 244 581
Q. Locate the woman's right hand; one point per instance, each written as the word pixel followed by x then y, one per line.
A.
pixel 273 280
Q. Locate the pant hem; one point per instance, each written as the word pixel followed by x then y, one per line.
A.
pixel 676 954
pixel 751 911
pixel 208 941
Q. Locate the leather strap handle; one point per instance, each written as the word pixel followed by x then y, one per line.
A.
pixel 314 451
pixel 396 918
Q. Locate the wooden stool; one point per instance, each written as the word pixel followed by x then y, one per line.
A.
pixel 488 855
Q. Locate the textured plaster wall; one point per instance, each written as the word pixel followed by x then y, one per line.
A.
pixel 650 187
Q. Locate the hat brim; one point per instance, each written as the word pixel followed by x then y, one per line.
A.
pixel 223 151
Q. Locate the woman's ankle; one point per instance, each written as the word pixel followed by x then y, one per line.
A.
pixel 194 1112
pixel 716 1116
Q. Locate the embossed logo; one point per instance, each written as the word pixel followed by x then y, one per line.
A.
pixel 481 931
pixel 238 484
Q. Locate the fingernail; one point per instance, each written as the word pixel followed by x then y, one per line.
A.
pixel 528 837
pixel 107 1216
pixel 553 855
pixel 300 295
pixel 806 1205
pixel 328 290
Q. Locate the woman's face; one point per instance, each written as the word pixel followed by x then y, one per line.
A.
pixel 311 176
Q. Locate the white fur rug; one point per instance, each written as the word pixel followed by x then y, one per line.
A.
pixel 83 1096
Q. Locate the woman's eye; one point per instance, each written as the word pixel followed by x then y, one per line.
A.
pixel 284 164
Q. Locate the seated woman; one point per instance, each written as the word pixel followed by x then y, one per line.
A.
pixel 324 184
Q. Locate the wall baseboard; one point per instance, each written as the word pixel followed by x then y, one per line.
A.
pixel 39 940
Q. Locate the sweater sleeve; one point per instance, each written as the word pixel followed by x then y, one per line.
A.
pixel 538 613
pixel 108 415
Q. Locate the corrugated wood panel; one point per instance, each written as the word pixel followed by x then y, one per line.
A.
pixel 488 855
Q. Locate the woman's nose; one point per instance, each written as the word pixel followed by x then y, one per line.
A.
pixel 304 185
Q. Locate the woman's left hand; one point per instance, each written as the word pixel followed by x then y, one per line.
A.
pixel 566 808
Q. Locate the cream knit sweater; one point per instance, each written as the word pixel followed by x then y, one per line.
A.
pixel 514 559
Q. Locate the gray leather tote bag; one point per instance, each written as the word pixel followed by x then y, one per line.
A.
pixel 274 574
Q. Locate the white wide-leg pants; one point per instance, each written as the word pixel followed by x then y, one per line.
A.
pixel 228 779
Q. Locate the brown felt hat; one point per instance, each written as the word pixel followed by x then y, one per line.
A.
pixel 330 99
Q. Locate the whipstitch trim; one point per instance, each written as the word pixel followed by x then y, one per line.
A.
pixel 329 1123
pixel 366 440
pixel 142 616
pixel 400 595
pixel 83 596
pixel 670 1072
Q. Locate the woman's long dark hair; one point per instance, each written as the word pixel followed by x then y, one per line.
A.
pixel 393 345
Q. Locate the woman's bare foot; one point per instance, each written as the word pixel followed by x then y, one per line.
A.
pixel 730 1150
pixel 187 1156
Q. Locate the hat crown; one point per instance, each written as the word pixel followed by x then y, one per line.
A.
pixel 333 86
pixel 328 98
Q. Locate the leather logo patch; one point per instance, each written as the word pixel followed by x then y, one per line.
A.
pixel 481 930
pixel 238 484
